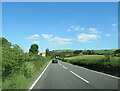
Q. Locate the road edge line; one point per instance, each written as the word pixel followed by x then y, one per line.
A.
pixel 30 88
pixel 115 77
pixel 100 73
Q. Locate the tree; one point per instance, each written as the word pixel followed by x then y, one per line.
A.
pixel 92 52
pixel 117 51
pixel 17 47
pixel 34 49
pixel 4 42
pixel 47 52
pixel 87 52
pixel 77 51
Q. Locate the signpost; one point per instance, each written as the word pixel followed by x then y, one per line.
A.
pixel 44 54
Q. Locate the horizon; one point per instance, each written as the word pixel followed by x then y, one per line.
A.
pixel 58 26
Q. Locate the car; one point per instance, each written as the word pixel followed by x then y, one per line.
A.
pixel 54 61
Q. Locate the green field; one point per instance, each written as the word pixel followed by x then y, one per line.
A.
pixel 104 63
pixel 86 57
pixel 100 51
pixel 95 59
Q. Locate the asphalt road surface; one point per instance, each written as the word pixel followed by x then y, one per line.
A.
pixel 62 75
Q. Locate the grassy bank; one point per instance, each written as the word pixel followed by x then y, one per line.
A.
pixel 95 59
pixel 22 78
pixel 19 69
pixel 101 63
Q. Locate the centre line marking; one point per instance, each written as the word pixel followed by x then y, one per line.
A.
pixel 59 64
pixel 64 67
pixel 79 77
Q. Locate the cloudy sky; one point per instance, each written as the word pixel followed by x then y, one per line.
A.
pixel 61 25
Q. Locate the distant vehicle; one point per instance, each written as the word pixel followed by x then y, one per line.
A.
pixel 54 61
pixel 57 56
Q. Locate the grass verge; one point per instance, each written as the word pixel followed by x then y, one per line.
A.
pixel 24 78
pixel 109 65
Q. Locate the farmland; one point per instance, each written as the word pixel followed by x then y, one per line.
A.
pixel 101 63
pixel 94 59
pixel 105 60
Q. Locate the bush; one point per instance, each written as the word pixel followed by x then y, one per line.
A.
pixel 19 68
pixel 27 69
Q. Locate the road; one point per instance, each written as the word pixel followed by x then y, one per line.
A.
pixel 67 76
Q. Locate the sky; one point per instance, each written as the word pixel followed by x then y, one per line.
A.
pixel 61 25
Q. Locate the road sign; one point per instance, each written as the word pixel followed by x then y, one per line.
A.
pixel 43 54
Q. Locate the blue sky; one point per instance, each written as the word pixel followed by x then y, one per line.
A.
pixel 61 25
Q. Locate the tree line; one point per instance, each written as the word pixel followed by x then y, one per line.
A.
pixel 67 53
pixel 15 61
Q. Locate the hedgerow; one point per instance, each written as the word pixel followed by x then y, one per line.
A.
pixel 19 68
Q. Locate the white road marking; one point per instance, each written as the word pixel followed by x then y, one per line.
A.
pixel 95 71
pixel 99 72
pixel 38 77
pixel 79 77
pixel 59 64
pixel 64 67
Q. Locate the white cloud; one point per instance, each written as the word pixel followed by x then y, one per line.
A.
pixel 72 26
pixel 94 30
pixel 63 42
pixel 82 29
pixel 57 40
pixel 68 30
pixel 36 42
pixel 86 37
pixel 46 36
pixel 36 36
pixel 76 28
pixel 107 34
pixel 62 39
pixel 114 24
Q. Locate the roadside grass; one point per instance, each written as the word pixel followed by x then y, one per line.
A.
pixel 24 77
pixel 95 59
pixel 85 59
pixel 38 72
pixel 102 63
pixel 19 68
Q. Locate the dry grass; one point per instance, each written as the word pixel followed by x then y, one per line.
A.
pixel 86 57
